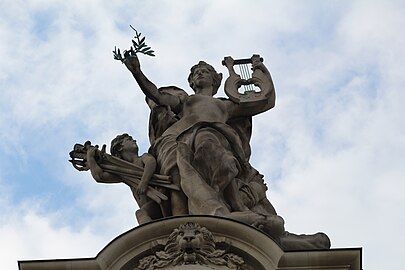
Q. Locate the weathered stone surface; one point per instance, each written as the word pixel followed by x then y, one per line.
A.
pixel 199 159
pixel 223 237
pixel 190 244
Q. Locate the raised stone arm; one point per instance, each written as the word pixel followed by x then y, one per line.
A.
pixel 149 88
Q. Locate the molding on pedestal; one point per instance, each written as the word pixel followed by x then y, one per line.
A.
pixel 176 243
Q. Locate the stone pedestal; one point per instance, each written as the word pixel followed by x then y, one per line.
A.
pixel 201 243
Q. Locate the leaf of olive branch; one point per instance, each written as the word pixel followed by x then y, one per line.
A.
pixel 138 46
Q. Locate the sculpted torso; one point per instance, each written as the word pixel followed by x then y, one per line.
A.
pixel 200 108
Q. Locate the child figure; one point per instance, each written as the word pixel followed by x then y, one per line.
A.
pixel 125 147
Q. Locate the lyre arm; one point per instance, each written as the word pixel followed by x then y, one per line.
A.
pixel 229 62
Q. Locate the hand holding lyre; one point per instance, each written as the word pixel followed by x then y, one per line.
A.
pixel 95 169
pixel 257 64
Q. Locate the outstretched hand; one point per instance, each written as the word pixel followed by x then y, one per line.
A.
pixel 132 62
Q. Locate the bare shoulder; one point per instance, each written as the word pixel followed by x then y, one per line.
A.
pixel 231 107
pixel 172 96
pixel 147 157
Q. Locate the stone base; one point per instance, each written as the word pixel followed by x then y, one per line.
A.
pixel 201 243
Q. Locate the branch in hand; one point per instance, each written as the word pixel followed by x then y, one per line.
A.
pixel 139 46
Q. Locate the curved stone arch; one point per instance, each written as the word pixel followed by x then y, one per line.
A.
pixel 258 251
pixel 256 248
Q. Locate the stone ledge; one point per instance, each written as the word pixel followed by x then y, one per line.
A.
pixel 258 251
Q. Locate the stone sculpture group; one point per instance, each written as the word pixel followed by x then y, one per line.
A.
pixel 199 159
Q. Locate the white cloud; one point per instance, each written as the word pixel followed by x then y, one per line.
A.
pixel 28 234
pixel 331 149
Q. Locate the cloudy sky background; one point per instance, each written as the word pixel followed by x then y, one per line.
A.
pixel 332 150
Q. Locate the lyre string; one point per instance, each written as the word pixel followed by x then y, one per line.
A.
pixel 249 73
pixel 246 74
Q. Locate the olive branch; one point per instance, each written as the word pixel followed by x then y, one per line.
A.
pixel 139 46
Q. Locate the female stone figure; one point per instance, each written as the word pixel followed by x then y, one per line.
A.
pixel 199 149
pixel 202 143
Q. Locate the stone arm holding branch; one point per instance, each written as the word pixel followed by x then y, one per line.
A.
pixel 148 88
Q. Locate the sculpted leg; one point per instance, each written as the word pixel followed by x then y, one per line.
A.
pixel 148 209
pixel 217 165
pixel 142 217
pixel 177 198
pixel 202 199
pixel 148 212
pixel 231 194
pixel 228 172
pixel 272 225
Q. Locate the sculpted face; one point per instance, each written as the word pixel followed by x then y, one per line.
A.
pixel 202 77
pixel 129 144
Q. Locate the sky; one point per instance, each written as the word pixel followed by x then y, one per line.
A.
pixel 332 149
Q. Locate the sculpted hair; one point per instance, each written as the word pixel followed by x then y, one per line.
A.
pixel 116 145
pixel 217 77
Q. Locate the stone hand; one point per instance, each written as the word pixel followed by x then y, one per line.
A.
pixel 95 170
pixel 141 188
pixel 257 64
pixel 132 62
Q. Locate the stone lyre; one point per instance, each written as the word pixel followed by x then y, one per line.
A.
pixel 257 76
